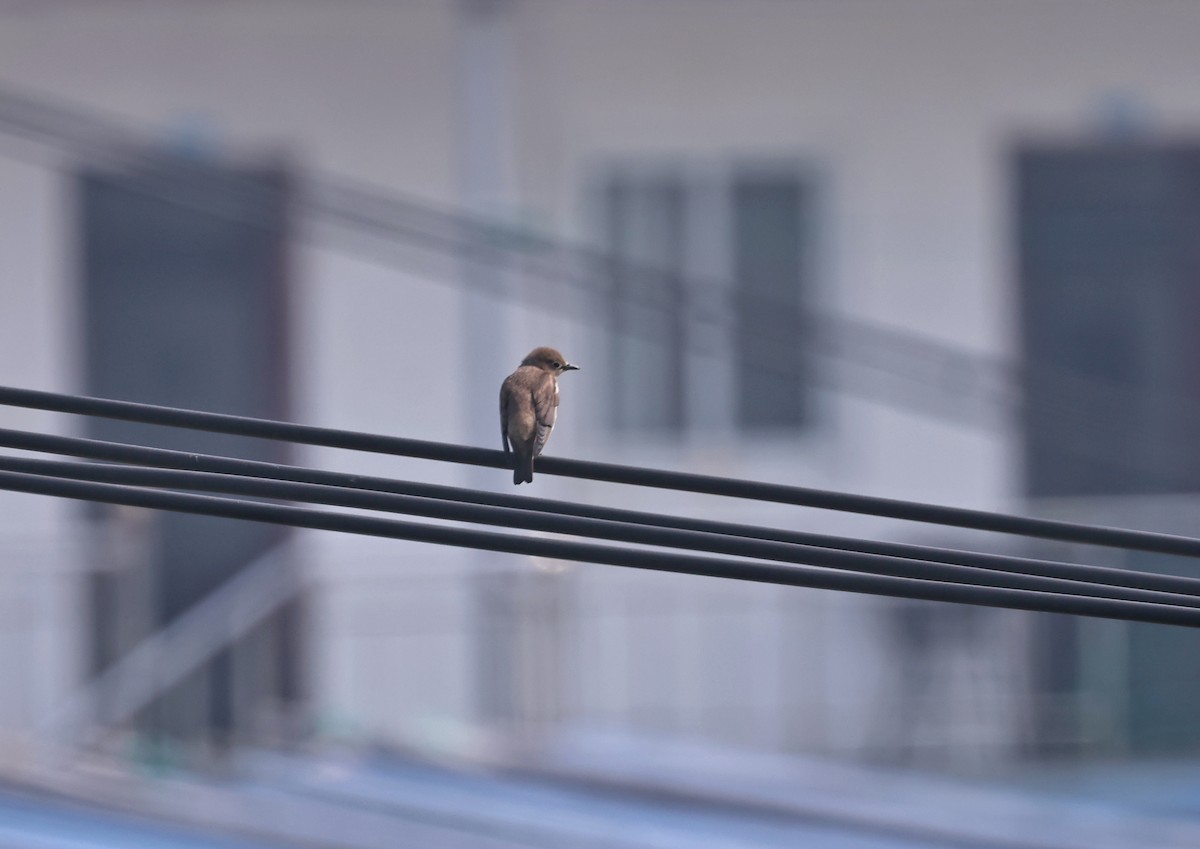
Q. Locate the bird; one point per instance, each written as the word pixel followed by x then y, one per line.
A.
pixel 529 407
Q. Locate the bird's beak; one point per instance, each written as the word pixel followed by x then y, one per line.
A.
pixel 570 367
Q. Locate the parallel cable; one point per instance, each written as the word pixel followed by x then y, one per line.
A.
pixel 745 570
pixel 180 460
pixel 609 472
pixel 592 528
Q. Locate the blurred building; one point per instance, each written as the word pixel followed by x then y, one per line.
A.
pixel 922 249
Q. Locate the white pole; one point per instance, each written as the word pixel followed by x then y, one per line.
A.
pixel 485 149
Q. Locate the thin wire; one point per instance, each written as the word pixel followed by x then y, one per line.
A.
pixel 612 473
pixel 165 458
pixel 716 567
pixel 591 528
pixel 364 212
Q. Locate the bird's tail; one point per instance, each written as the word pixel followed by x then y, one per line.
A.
pixel 523 468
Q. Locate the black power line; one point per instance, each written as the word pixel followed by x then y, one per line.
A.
pixel 613 473
pixel 713 530
pixel 760 549
pixel 717 567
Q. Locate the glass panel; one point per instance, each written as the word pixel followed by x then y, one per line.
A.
pixel 645 222
pixel 767 219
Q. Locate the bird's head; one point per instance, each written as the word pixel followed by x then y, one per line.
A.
pixel 548 359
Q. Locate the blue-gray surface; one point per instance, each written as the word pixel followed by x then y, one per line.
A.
pixel 41 822
pixel 1161 788
pixel 425 807
pixel 506 810
pixel 372 802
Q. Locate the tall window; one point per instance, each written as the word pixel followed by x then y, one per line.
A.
pixel 183 283
pixel 707 296
pixel 1108 241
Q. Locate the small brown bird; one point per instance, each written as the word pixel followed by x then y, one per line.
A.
pixel 529 406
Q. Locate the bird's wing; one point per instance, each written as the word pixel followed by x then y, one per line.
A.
pixel 504 416
pixel 545 408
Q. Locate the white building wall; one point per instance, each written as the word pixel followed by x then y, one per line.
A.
pixel 907 110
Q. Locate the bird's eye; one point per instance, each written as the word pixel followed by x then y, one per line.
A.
pixel 556 363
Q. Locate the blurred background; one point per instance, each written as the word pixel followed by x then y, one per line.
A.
pixel 937 250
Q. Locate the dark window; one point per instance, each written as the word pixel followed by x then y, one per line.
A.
pixel 1110 285
pixel 767 230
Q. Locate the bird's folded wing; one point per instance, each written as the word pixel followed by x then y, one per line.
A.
pixel 545 407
